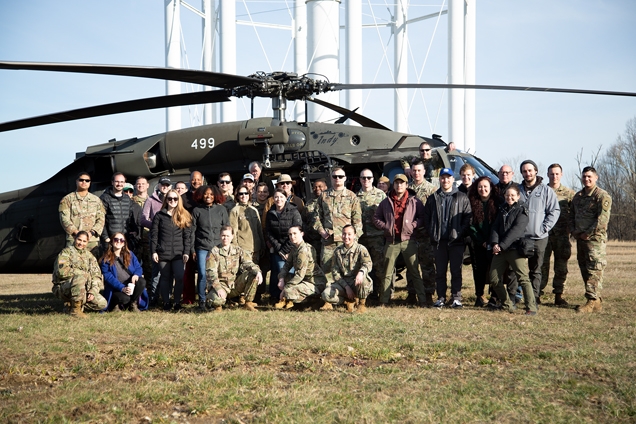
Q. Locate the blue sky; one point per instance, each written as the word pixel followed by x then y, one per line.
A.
pixel 577 44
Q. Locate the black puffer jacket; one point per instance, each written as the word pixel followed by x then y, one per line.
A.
pixel 460 216
pixel 206 225
pixel 277 226
pixel 509 226
pixel 166 239
pixel 119 214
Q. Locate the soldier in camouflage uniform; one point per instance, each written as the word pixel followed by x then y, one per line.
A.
pixel 336 208
pixel 307 281
pixel 558 238
pixel 351 265
pixel 77 278
pixel 141 188
pixel 373 238
pixel 589 217
pixel 425 256
pixel 82 211
pixel 312 236
pixel 432 165
pixel 230 272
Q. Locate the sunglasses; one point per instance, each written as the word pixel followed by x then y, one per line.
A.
pixel 242 193
pixel 425 150
pixel 366 178
pixel 119 240
pixel 285 183
pixel 128 191
pixel 173 199
pixel 225 182
pixel 338 176
pixel 83 180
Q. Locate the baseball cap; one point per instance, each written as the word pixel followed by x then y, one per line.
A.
pixel 248 177
pixel 165 180
pixel 446 171
pixel 383 179
pixel 401 177
pixel 129 186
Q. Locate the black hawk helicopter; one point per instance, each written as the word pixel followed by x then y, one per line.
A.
pixel 31 235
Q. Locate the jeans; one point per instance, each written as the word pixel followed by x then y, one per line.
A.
pixel 202 256
pixel 445 254
pixel 276 263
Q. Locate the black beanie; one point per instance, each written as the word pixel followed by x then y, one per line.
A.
pixel 528 161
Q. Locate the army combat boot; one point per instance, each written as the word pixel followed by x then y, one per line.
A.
pixel 559 300
pixel 326 307
pixel 349 305
pixel 362 308
pixel 250 306
pixel 76 310
pixel 592 305
pixel 284 304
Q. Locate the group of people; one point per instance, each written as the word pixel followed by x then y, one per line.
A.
pixel 340 248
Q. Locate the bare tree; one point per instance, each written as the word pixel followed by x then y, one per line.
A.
pixel 617 175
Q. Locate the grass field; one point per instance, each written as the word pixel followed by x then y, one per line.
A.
pixel 396 364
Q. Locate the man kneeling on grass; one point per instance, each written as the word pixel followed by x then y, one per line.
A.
pixel 230 273
pixel 77 278
pixel 307 281
pixel 350 267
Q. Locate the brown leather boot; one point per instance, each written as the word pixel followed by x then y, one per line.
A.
pixel 218 308
pixel 76 310
pixel 559 300
pixel 362 308
pixel 241 300
pixel 349 305
pixel 592 305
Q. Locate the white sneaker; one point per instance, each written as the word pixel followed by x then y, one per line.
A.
pixel 457 304
pixel 440 303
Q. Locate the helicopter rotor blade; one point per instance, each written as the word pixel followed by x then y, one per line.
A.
pixel 199 97
pixel 360 119
pixel 213 79
pixel 337 87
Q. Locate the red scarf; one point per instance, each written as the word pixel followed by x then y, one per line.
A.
pixel 399 206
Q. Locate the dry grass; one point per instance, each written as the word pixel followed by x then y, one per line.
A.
pixel 396 364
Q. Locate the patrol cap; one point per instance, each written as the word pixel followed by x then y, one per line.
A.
pixel 446 171
pixel 165 181
pixel 383 179
pixel 129 186
pixel 248 176
pixel 401 177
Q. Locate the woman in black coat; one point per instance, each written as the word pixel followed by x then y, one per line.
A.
pixel 278 221
pixel 170 247
pixel 505 242
pixel 484 204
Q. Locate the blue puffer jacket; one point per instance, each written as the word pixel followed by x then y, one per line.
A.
pixel 112 284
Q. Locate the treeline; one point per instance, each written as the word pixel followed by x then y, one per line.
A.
pixel 617 175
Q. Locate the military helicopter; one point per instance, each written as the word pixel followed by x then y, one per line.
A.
pixel 31 235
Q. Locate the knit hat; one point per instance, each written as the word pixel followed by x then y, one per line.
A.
pixel 528 161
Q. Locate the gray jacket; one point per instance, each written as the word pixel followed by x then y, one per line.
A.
pixel 543 208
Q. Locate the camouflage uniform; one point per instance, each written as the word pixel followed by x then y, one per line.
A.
pixel 307 280
pixel 146 262
pixel 346 264
pixel 232 271
pixel 372 239
pixel 79 213
pixel 77 274
pixel 312 236
pixel 334 210
pixel 425 254
pixel 559 243
pixel 590 215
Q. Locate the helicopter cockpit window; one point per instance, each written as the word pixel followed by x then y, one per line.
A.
pixel 457 161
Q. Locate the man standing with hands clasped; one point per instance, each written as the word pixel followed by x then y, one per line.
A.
pixel 589 218
pixel 543 208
